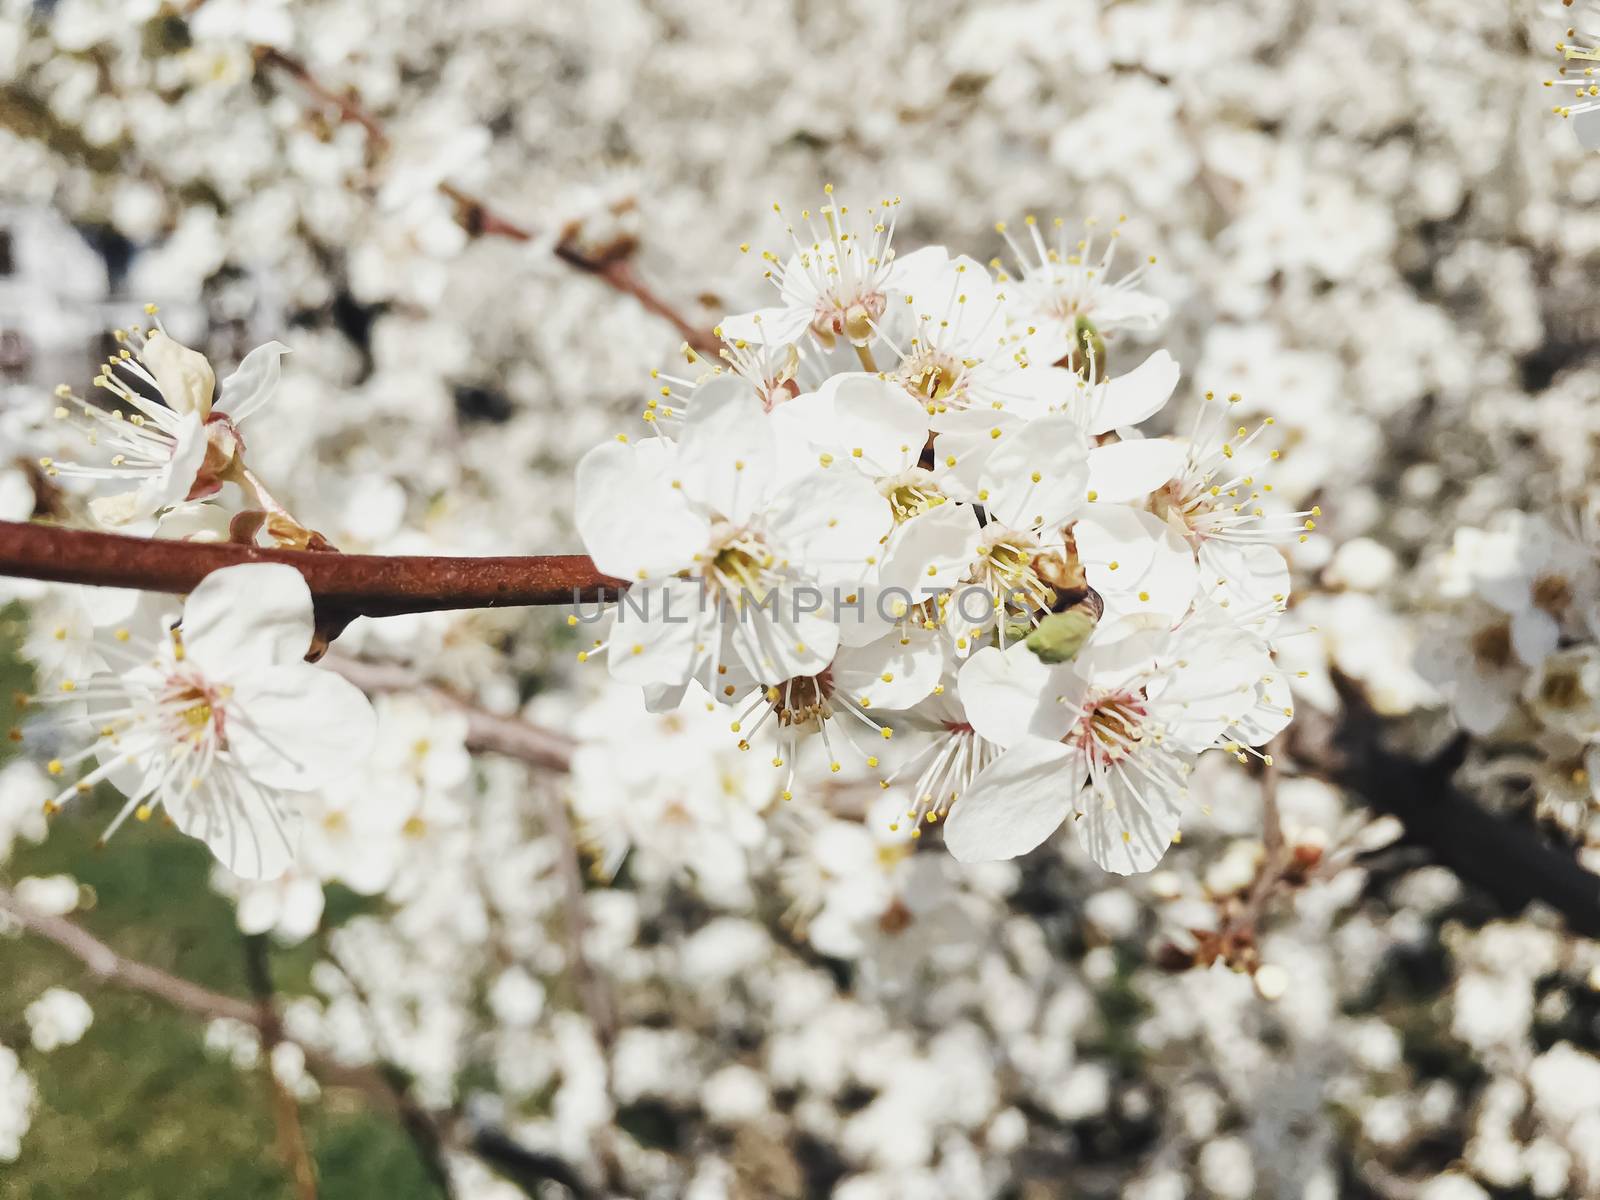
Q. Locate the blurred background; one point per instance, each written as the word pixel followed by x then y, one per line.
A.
pixel 1369 224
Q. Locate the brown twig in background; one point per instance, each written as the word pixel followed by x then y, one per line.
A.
pixel 292 1145
pixel 1507 860
pixel 517 738
pixel 492 733
pixel 107 966
pixel 481 220
pixel 528 1169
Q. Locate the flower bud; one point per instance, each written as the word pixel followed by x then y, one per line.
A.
pixel 1060 636
pixel 183 375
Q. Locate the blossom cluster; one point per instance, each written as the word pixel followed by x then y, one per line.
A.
pixel 1369 225
pixel 914 495
pixel 1514 652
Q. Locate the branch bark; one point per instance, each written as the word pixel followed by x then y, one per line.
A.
pixel 492 733
pixel 1506 859
pixel 292 1145
pixel 344 586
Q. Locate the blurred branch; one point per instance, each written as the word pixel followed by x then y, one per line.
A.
pixel 514 737
pixel 1506 859
pixel 107 966
pixel 481 220
pixel 344 586
pixel 527 1169
pixel 488 732
pixel 285 1108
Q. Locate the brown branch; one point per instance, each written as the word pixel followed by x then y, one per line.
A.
pixel 1506 859
pixel 344 586
pixel 291 1132
pixel 482 221
pixel 488 732
pixel 107 966
pixel 517 738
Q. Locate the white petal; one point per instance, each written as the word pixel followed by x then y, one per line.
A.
pixel 253 831
pixel 1128 308
pixel 244 618
pixel 966 440
pixel 1250 580
pixel 1534 634
pixel 1274 709
pixel 1014 804
pixel 1128 821
pixel 945 538
pixel 1038 474
pixel 253 381
pixel 298 727
pixel 1011 696
pixel 874 417
pixel 176 481
pixel 893 672
pixel 766 326
pixel 1481 705
pixel 633 522
pixel 1154 572
pixel 779 641
pixel 727 452
pixel 183 375
pixel 1141 393
pixel 1127 471
pixel 827 524
pixel 657 632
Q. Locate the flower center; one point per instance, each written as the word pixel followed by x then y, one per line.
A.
pixel 1552 593
pixel 1562 690
pixel 1491 645
pixel 932 377
pixel 194 711
pixel 853 318
pixel 802 699
pixel 1110 728
pixel 1008 571
pixel 912 495
pixel 740 563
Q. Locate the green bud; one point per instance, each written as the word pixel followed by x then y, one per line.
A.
pixel 1061 635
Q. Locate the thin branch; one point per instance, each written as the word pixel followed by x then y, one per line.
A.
pixel 1506 859
pixel 480 220
pixel 106 965
pixel 492 733
pixel 517 738
pixel 285 1107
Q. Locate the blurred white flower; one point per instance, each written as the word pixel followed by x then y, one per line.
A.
pixel 57 1018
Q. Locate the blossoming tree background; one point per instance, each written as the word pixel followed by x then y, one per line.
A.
pixel 1135 827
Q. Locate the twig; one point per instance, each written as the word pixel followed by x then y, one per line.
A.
pixel 285 1108
pixel 520 739
pixel 481 220
pixel 344 586
pixel 489 732
pixel 1506 859
pixel 106 965
pixel 419 1125
pixel 1276 858
pixel 515 738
